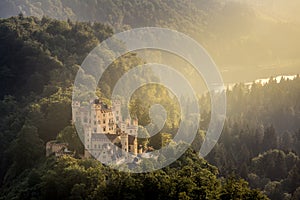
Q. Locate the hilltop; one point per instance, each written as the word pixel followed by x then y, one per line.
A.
pixel 247 39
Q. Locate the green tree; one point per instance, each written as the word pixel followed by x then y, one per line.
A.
pixel 69 135
pixel 26 150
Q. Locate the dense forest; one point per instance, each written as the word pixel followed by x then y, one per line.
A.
pixel 257 155
pixel 260 139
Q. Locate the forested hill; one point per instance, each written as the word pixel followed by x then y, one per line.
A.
pixel 38 64
pixel 243 37
pixel 261 137
pixel 39 60
pixel 38 53
pixel 134 13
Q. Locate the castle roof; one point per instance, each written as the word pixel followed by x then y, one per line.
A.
pixel 102 136
pixel 56 142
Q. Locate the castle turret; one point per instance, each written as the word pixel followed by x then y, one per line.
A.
pixel 87 141
pixel 132 140
pixel 124 142
pixel 116 107
pixel 75 113
pixel 135 122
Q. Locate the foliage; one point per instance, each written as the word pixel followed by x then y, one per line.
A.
pixel 260 140
pixel 230 30
pixel 70 178
pixel 39 60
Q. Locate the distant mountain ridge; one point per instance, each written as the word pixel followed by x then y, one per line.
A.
pixel 241 36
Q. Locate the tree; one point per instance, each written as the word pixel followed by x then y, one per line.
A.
pixel 270 138
pixel 293 180
pixel 69 135
pixel 239 189
pixel 26 151
pixel 296 194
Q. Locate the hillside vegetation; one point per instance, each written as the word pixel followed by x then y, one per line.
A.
pixel 247 39
pixel 39 61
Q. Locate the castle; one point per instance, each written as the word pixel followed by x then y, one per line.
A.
pixel 57 148
pixel 105 133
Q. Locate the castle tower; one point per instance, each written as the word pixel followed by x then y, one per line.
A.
pixel 116 107
pixel 135 122
pixel 124 142
pixel 87 141
pixel 134 146
pixel 76 113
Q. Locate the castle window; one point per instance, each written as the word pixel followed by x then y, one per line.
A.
pixel 95 130
pixel 103 115
pixel 95 146
pixel 104 121
pixel 104 128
